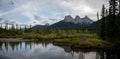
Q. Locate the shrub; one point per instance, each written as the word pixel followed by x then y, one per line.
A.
pixel 93 43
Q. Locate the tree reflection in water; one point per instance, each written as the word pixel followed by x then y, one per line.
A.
pixel 109 54
pixel 100 53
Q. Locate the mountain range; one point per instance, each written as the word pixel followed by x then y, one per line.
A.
pixel 85 20
pixel 69 23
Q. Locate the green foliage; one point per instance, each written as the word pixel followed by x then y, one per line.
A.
pixel 81 43
pixel 103 11
pixel 113 26
pixel 10 33
pixel 109 27
pixel 55 34
pixel 62 41
pixel 93 43
pixel 59 37
pixel 113 7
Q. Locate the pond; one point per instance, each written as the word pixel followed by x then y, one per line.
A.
pixel 37 50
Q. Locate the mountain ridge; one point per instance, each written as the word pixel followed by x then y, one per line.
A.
pixel 77 19
pixel 69 23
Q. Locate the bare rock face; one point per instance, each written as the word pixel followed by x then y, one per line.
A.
pixel 85 20
pixel 69 23
pixel 68 18
pixel 77 20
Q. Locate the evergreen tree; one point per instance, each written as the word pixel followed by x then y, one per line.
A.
pixel 113 7
pixel 106 23
pixel 25 27
pixel 107 13
pixel 97 15
pixel 119 6
pixel 110 7
pixel 21 27
pixel 6 26
pixel 102 25
pixel 30 26
pixel 13 27
pixel 103 11
pixel 0 25
pixel 16 26
pixel 111 21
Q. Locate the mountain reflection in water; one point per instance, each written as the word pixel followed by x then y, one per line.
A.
pixel 36 50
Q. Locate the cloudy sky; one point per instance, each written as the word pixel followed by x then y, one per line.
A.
pixel 46 11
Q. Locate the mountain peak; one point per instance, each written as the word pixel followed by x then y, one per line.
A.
pixel 86 17
pixel 68 18
pixel 70 23
pixel 87 20
pixel 77 19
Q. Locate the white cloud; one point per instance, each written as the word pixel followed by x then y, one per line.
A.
pixel 46 9
pixel 16 10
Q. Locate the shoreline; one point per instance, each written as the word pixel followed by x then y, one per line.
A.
pixel 14 40
pixel 10 40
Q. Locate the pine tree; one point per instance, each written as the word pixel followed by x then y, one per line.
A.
pixel 97 15
pixel 119 6
pixel 6 26
pixel 103 11
pixel 30 26
pixel 16 26
pixel 110 8
pixel 13 27
pixel 106 22
pixel 98 29
pixel 107 13
pixel 21 27
pixel 102 25
pixel 113 7
pixel 25 27
pixel 0 25
pixel 111 21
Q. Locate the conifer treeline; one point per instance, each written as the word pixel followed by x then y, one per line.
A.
pixel 14 26
pixel 13 30
pixel 109 28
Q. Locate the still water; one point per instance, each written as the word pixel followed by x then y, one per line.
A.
pixel 35 50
